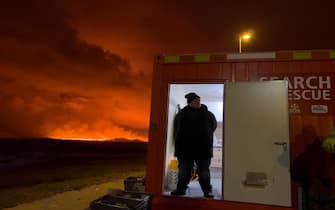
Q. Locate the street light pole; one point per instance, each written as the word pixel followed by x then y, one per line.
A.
pixel 244 36
pixel 240 44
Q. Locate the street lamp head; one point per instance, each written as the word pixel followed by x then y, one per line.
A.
pixel 246 36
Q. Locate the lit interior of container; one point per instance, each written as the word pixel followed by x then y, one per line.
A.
pixel 212 95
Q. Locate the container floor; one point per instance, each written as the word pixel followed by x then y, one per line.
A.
pixel 194 189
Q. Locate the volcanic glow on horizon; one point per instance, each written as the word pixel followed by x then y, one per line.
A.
pixel 95 135
pixel 90 139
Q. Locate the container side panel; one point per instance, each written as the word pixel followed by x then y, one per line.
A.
pixel 304 76
pixel 201 72
pixel 241 71
pixel 180 203
pixel 208 72
pixel 304 125
pixel 183 72
pixel 154 156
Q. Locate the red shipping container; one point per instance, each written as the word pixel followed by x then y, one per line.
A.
pixel 310 77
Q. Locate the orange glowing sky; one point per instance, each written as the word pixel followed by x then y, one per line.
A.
pixel 82 69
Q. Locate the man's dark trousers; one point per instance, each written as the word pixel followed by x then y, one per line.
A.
pixel 185 167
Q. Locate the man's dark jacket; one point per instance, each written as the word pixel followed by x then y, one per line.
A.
pixel 193 133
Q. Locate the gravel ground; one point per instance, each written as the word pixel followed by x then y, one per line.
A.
pixel 71 200
pixel 40 188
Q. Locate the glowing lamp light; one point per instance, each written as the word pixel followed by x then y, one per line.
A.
pixel 244 36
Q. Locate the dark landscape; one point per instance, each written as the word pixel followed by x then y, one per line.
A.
pixel 32 169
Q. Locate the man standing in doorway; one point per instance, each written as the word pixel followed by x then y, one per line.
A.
pixel 193 134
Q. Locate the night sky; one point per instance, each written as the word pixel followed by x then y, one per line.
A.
pixel 82 69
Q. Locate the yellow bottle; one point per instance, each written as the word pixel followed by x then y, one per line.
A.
pixel 173 165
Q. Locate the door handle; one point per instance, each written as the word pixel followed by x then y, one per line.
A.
pixel 280 143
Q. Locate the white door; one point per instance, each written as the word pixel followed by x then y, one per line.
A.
pixel 256 143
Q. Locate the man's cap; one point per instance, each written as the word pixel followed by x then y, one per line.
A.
pixel 191 96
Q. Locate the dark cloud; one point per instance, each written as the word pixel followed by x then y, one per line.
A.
pixel 215 25
pixel 211 26
pixel 53 82
pixel 17 120
pixel 37 36
pixel 36 113
pixel 34 109
pixel 69 96
pixel 141 131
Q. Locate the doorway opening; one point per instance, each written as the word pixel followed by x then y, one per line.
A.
pixel 212 95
